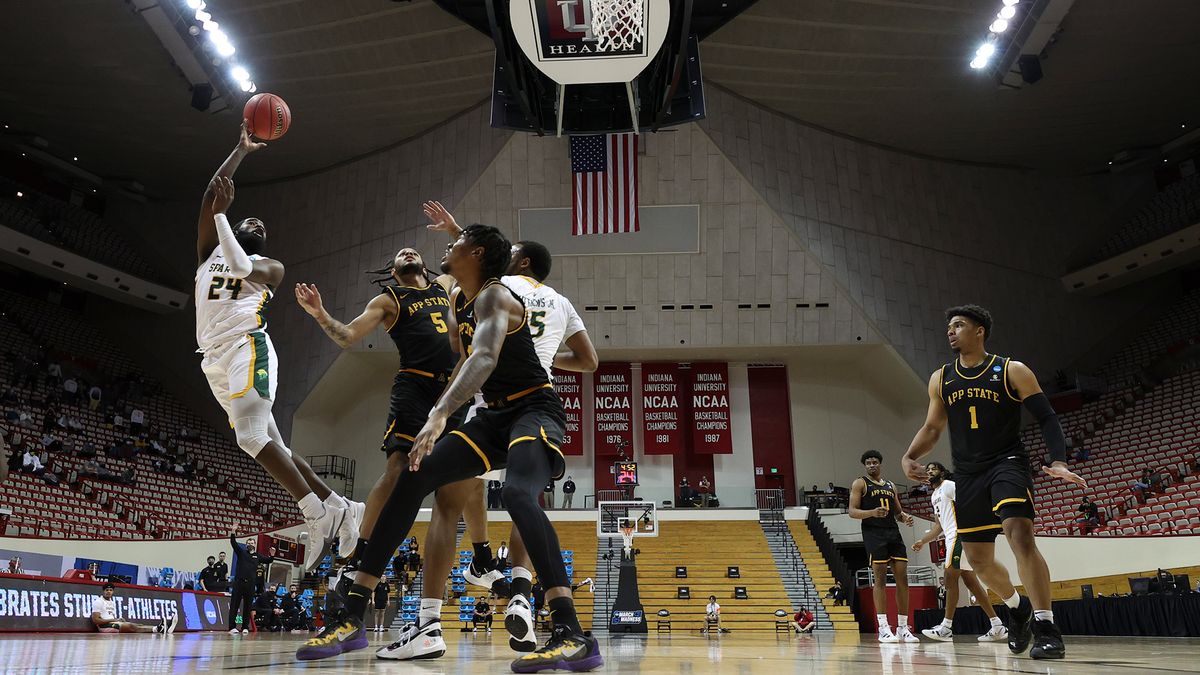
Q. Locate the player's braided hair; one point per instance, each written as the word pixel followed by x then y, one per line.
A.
pixel 386 271
pixel 975 313
pixel 497 250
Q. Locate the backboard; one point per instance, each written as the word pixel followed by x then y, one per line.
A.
pixel 611 515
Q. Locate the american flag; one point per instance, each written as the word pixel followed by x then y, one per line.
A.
pixel 604 193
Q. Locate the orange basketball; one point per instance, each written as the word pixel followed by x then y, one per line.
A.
pixel 268 116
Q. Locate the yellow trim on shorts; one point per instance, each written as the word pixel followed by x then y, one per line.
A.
pixel 965 530
pixel 487 466
pixel 950 551
pixel 414 371
pixel 1010 500
pixel 521 440
pixel 406 437
pixel 546 440
pixel 250 378
pixel 388 434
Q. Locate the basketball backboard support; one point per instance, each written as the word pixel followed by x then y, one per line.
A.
pixel 612 515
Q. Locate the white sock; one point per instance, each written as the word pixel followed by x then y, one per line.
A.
pixel 1043 615
pixel 883 622
pixel 335 500
pixel 902 621
pixel 522 573
pixel 996 622
pixel 311 507
pixel 1014 601
pixel 431 610
pixel 948 623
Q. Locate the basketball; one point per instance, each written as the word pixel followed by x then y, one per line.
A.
pixel 268 116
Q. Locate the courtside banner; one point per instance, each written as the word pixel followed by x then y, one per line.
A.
pixel 612 392
pixel 570 389
pixel 662 416
pixel 47 604
pixel 710 409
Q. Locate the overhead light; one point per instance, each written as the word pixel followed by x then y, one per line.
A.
pixel 195 4
pixel 210 25
pixel 202 15
pixel 240 74
pixel 1010 3
pixel 76 159
pixel 225 49
pixel 246 85
pixel 999 26
pixel 20 194
pixel 1008 12
pixel 985 50
pixel 218 36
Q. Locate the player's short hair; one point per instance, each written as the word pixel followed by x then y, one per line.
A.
pixel 539 258
pixel 869 454
pixel 975 313
pixel 497 249
pixel 941 467
pixel 107 586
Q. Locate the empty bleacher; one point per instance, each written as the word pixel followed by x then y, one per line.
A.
pixel 1174 208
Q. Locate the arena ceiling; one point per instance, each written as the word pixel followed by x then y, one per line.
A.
pixel 94 80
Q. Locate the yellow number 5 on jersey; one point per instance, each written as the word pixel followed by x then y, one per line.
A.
pixel 438 323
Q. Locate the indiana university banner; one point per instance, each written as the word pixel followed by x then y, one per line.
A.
pixel 710 409
pixel 570 389
pixel 661 413
pixel 612 390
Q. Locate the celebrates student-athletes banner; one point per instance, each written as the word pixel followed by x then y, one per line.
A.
pixel 710 409
pixel 612 392
pixel 570 389
pixel 662 415
pixel 36 604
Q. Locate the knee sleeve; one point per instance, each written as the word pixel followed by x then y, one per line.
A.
pixel 252 434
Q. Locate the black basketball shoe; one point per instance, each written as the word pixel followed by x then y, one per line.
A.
pixel 1047 641
pixel 1019 630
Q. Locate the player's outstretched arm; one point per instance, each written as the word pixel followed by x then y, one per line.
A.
pixel 440 219
pixel 206 237
pixel 929 433
pixel 495 309
pixel 381 310
pixel 1026 385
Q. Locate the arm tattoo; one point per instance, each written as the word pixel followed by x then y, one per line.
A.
pixel 491 314
pixel 337 331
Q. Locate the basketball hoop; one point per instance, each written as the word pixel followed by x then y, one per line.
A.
pixel 627 537
pixel 617 24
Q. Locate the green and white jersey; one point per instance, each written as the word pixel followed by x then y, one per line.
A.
pixel 226 307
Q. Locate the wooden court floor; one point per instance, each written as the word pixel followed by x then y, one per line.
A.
pixel 730 654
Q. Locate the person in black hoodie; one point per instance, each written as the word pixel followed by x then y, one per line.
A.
pixel 245 569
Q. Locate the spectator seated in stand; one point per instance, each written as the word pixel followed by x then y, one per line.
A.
pixel 1089 515
pixel 31 463
pixel 267 614
pixel 803 621
pixel 712 615
pixel 483 614
pixel 836 593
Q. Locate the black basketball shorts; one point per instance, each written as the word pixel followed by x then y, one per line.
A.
pixel 985 499
pixel 413 396
pixel 538 417
pixel 884 544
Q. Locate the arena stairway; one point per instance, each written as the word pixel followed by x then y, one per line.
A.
pixel 839 615
pixel 793 571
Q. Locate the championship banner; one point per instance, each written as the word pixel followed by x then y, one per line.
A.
pixel 662 423
pixel 612 392
pixel 46 604
pixel 710 409
pixel 570 389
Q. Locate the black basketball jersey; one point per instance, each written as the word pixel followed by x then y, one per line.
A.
pixel 518 370
pixel 420 330
pixel 983 413
pixel 877 494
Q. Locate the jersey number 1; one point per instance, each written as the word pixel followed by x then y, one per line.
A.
pixel 974 420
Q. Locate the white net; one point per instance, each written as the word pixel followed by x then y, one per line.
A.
pixel 619 25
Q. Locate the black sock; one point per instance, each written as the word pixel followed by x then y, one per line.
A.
pixel 562 613
pixel 356 600
pixel 521 586
pixel 483 553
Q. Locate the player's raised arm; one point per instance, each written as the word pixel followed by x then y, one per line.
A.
pixel 440 219
pixel 206 236
pixel 381 310
pixel 929 433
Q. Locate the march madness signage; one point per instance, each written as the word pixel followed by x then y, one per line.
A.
pixel 711 434
pixel 612 392
pixel 662 393
pixel 570 389
pixel 44 604
pixel 564 31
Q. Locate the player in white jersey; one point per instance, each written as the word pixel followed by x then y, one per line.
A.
pixel 561 341
pixel 234 283
pixel 943 499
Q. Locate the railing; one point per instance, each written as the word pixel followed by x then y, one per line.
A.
pixel 918 575
pixel 769 500
pixel 837 566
